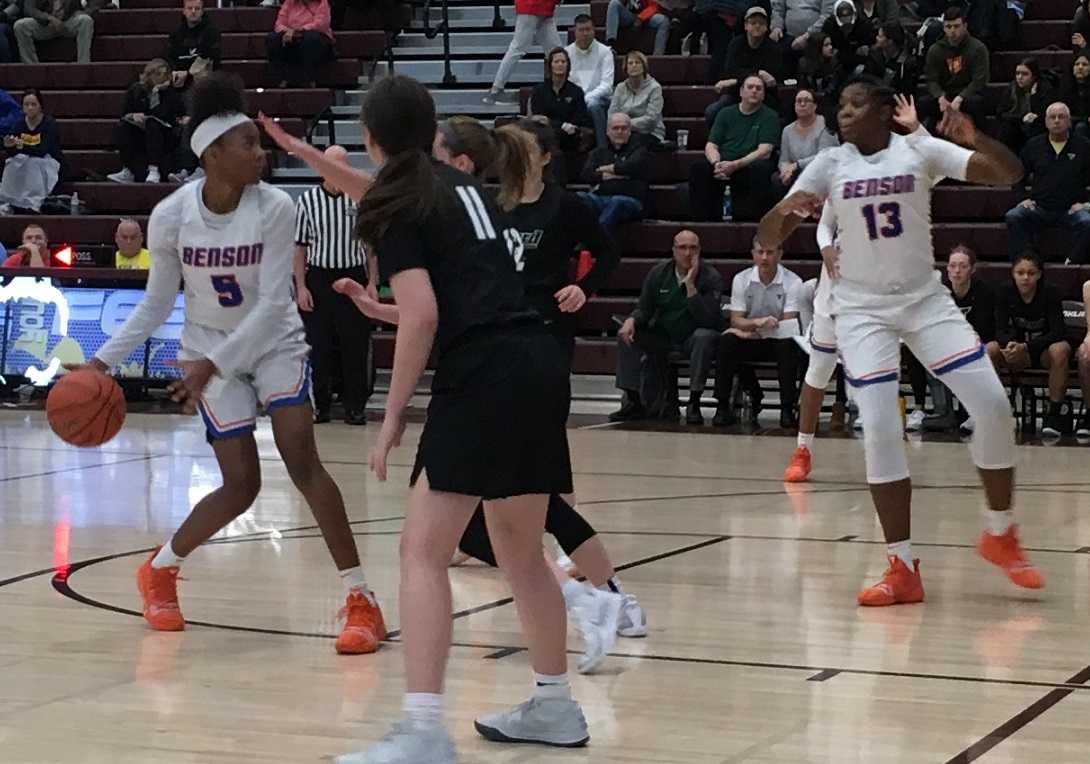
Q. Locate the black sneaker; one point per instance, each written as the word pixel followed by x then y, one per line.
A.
pixel 693 414
pixel 356 418
pixel 940 422
pixel 1056 423
pixel 321 416
pixel 1083 428
pixel 629 412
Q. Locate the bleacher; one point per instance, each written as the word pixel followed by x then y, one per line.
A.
pixel 86 101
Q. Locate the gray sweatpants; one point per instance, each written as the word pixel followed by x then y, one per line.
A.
pixel 529 30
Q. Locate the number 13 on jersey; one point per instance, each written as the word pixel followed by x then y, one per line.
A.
pixel 883 220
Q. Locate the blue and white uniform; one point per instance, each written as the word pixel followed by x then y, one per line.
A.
pixel 239 309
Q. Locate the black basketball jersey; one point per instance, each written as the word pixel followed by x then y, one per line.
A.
pixel 472 259
pixel 550 229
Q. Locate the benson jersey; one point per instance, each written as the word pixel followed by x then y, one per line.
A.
pixel 882 206
pixel 237 273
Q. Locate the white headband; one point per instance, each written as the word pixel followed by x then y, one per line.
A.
pixel 212 128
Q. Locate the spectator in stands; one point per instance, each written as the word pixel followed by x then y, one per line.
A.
pixel 739 154
pixel 534 23
pixel 720 20
pixel 624 14
pixel 592 70
pixel 33 252
pixel 49 19
pixel 793 23
pixel 1058 167
pixel 561 101
pixel 1075 92
pixel 7 34
pixel 148 132
pixel 1080 26
pixel 1082 353
pixel 301 41
pixel 802 140
pixel 761 298
pixel 879 13
pixel 131 253
pixel 195 47
pixel 618 174
pixel 34 159
pixel 748 53
pixel 639 96
pixel 852 35
pixel 1021 115
pixel 820 71
pixel 893 62
pixel 1029 333
pixel 957 73
pixel 977 302
pixel 678 311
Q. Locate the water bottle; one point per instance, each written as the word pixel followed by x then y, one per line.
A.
pixel 726 203
pixel 73 208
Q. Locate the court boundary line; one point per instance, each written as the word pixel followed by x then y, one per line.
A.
pixel 81 467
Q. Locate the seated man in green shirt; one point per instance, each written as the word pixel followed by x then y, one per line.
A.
pixel 678 311
pixel 739 154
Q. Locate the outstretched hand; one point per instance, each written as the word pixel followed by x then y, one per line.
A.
pixel 905 113
pixel 278 134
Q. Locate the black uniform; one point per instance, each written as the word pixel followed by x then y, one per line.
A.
pixel 551 228
pixel 496 360
pixel 978 307
pixel 1038 323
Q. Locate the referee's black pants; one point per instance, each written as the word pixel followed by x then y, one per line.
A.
pixel 336 317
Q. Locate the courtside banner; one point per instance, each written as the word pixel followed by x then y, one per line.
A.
pixel 45 326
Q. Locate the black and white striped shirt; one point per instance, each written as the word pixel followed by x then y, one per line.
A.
pixel 323 224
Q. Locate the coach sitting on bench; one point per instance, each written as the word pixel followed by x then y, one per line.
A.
pixel 761 298
pixel 678 311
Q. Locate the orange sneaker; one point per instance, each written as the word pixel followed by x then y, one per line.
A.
pixel 799 468
pixel 364 628
pixel 899 586
pixel 1006 552
pixel 159 588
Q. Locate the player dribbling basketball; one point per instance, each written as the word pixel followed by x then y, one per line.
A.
pixel 229 237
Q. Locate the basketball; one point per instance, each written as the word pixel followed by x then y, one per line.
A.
pixel 85 408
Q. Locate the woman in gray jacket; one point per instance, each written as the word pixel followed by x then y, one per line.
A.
pixel 640 97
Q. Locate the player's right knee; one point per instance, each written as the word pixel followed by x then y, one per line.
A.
pixel 243 490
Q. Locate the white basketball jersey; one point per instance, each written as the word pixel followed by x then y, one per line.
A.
pixel 236 269
pixel 882 206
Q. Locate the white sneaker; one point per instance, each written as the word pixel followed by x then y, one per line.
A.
pixel 153 175
pixel 633 621
pixel 493 97
pixel 547 721
pixel 596 614
pixel 914 421
pixel 968 425
pixel 5 209
pixel 857 423
pixel 178 177
pixel 124 176
pixel 458 558
pixel 406 744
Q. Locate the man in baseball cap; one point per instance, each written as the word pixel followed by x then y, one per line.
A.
pixel 748 53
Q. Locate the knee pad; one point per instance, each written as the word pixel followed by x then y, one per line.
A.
pixel 883 435
pixel 978 388
pixel 569 527
pixel 821 368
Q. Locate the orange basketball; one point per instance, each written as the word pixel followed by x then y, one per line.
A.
pixel 85 408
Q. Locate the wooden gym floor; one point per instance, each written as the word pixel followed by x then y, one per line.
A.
pixel 756 652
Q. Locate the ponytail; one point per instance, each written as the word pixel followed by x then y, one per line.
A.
pixel 512 161
pixel 405 184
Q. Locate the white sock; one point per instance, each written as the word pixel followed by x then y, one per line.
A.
pixel 806 440
pixel 354 581
pixel 423 709
pixel 1000 522
pixel 552 687
pixel 902 549
pixel 166 558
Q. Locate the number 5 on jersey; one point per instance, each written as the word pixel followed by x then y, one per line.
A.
pixel 482 223
pixel 230 293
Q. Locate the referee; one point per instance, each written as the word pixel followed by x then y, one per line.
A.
pixel 326 249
